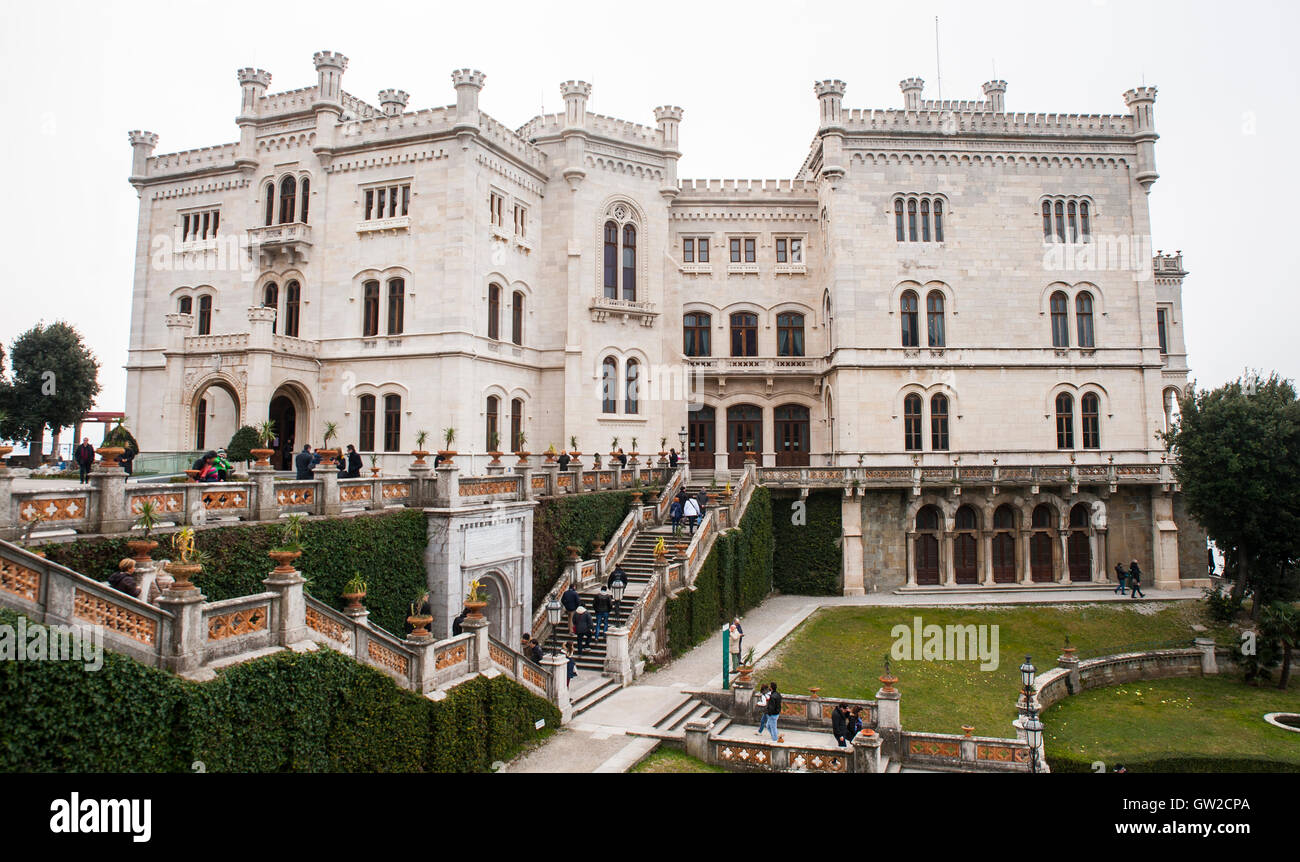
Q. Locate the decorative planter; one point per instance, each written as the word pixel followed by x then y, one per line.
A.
pixel 550 457
pixel 374 472
pixel 446 454
pixel 713 498
pixel 749 457
pixel 523 457
pixel 4 451
pixel 636 498
pixel 109 455
pixel 283 560
pixel 812 692
pixel 475 609
pixel 182 572
pixel 328 456
pixel 967 729
pixel 141 548
pixel 263 456
pixel 419 625
pixel 746 673
pixel 866 731
pixel 574 551
pixel 887 681
pixel 496 457
pixel 419 455
pixel 681 551
pixel 597 547
pixel 193 475
pixel 353 601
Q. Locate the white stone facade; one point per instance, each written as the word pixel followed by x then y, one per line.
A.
pixel 446 242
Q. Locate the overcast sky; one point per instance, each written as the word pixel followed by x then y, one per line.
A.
pixel 77 76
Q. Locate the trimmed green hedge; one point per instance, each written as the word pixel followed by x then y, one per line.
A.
pixel 736 576
pixel 574 519
pixel 288 712
pixel 386 548
pixel 1180 764
pixel 807 560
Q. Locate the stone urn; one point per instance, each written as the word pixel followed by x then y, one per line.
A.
pixel 968 729
pixel 374 472
pixel 193 475
pixel 749 456
pixel 182 572
pixel 141 549
pixel 284 561
pixel 108 456
pixel 420 625
pixel 745 674
pixel 597 547
pixel 496 457
pixel 328 457
pixel 263 456
pixel 353 601
pixel 636 498
pixel 419 455
pixel 475 609
pixel 4 451
pixel 523 457
pixel 574 552
pixel 887 682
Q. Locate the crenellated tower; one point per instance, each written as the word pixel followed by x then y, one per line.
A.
pixel 1140 101
pixel 669 118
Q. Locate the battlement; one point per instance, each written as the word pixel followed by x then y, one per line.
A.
pixel 950 122
pixel 969 106
pixel 468 77
pixel 288 102
pixel 511 142
pixel 599 124
pixel 1140 94
pixel 258 77
pixel 383 127
pixel 668 112
pixel 147 139
pixel 222 155
pixel 726 189
pixel 575 88
pixel 330 60
pixel 1168 265
pixel 359 108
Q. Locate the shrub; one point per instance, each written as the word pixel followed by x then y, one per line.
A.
pixel 571 520
pixel 240 445
pixel 808 559
pixel 119 436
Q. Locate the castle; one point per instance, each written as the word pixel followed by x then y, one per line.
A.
pixel 945 285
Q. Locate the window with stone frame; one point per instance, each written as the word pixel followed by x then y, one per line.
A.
pixel 392 423
pixel 695 333
pixel 789 249
pixel 1064 421
pixel 1067 219
pixel 919 218
pixel 200 225
pixel 912 423
pixel 390 200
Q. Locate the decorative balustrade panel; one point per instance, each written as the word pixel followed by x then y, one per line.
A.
pixel 297 496
pixel 395 491
pixel 65 509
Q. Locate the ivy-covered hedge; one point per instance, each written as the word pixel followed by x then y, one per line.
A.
pixel 735 577
pixel 1181 764
pixel 386 548
pixel 288 712
pixel 808 559
pixel 575 519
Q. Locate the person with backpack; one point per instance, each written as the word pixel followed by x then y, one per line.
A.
pixel 570 601
pixel 691 511
pixel 760 703
pixel 1135 580
pixel 601 605
pixel 773 711
pixel 1122 577
pixel 617 575
pixel 675 513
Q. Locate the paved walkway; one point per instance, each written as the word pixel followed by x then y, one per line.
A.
pixel 598 740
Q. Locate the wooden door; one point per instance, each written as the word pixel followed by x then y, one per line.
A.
pixel 1040 558
pixel 1004 558
pixel 1080 557
pixel 927 559
pixel 744 434
pixel 701 427
pixel 966 558
pixel 792 435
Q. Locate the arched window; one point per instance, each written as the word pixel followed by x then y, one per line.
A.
pixel 392 423
pixel 396 305
pixel 1084 228
pixel 1090 414
pixel 1060 319
pixel 306 198
pixel 938 220
pixel 271 299
pixel 370 309
pixel 912 423
pixel 366 432
pixel 516 424
pixel 1042 517
pixel 927 518
pixel 1004 518
pixel 1064 421
pixel 789 334
pixel 934 318
pixel 1047 221
pixel 925 220
pixel 288 198
pixel 695 334
pixel 1072 210
pixel 907 307
pixel 185 305
pixel 292 304
pixel 517 318
pixel 1060 221
pixel 490 423
pixel 270 203
pixel 744 334
pixel 205 314
pixel 911 219
pixel 633 392
pixel 939 423
pixel 609 385
pixel 898 220
pixel 1083 318
pixel 611 260
pixel 201 425
pixel 927 545
pixel 494 311
pixel 629 262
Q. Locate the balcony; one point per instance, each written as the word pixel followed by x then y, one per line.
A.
pixel 791 269
pixel 697 268
pixel 785 366
pixel 742 269
pixel 603 308
pixel 385 225
pixel 280 244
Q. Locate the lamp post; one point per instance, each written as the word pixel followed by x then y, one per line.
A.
pixel 681 435
pixel 1033 727
pixel 553 611
pixel 617 588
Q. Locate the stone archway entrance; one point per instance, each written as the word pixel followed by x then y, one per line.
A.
pixel 498 609
pixel 289 411
pixel 214 416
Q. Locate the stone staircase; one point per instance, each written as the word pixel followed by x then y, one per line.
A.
pixel 672 724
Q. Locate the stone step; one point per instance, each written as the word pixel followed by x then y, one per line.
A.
pixel 594 696
pixel 889 767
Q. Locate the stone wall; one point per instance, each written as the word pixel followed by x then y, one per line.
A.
pixel 1193 562
pixel 884 549
pixel 1129 530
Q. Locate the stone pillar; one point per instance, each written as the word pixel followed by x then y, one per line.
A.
pixel 524 472
pixel 425 677
pixel 576 466
pixel 1209 663
pixel 109 479
pixel 851 543
pixel 697 739
pixel 1070 662
pixel 496 469
pixel 1026 576
pixel 889 718
pixel 986 557
pixel 910 538
pixel 1164 542
pixel 329 504
pixel 618 659
pixel 742 699
pixel 557 685
pixel 479 657
pixel 1097 549
pixel 185 650
pixel 420 493
pixel 552 472
pixel 291 622
pixel 447 489
pixel 866 752
pixel 267 507
pixel 949 563
pixel 8 512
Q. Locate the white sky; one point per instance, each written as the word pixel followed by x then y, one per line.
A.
pixel 77 76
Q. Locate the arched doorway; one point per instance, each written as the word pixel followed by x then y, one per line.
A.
pixel 498 608
pixel 1041 568
pixel 701 428
pixel 744 434
pixel 792 435
pixel 927 546
pixel 1004 545
pixel 285 416
pixel 215 416
pixel 1079 543
pixel 965 547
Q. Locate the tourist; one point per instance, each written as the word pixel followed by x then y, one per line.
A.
pixel 221 465
pixel 760 703
pixel 532 648
pixel 703 499
pixel 602 604
pixel 569 599
pixel 354 463
pixel 209 471
pixel 840 724
pixel 1135 580
pixel 123 580
pixel 127 458
pixel 458 622
pixel 564 460
pixel 572 668
pixel 675 512
pixel 672 459
pixel 1122 577
pixel 692 513
pixel 733 643
pixel 736 622
pixel 855 722
pixel 85 458
pixel 302 462
pixel 617 575
pixel 622 459
pixel 773 711
pixel 582 626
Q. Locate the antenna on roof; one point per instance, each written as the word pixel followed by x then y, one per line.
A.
pixel 938 68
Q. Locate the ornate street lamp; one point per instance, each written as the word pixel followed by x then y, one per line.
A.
pixel 617 589
pixel 553 612
pixel 1033 727
pixel 681 435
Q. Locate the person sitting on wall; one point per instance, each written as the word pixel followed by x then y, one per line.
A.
pixel 222 466
pixel 456 624
pixel 208 473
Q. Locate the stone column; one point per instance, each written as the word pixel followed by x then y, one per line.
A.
pixel 557 685
pixel 479 657
pixel 910 549
pixel 986 556
pixel 1164 542
pixel 618 659
pixel 425 676
pixel 1026 576
pixel 1063 575
pixel 576 466
pixel 1070 662
pixel 267 507
pixel 1209 663
pixel 851 543
pixel 8 511
pixel 185 651
pixel 742 699
pixel 949 554
pixel 524 472
pixel 329 504
pixel 109 479
pixel 420 493
pixel 697 739
pixel 866 752
pixel 496 469
pixel 291 621
pixel 447 490
pixel 889 718
pixel 552 472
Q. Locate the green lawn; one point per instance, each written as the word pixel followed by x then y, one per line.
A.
pixel 671 760
pixel 841 650
pixel 1161 721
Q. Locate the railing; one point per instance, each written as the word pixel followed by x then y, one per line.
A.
pixel 238 625
pixel 964 752
pixel 758 365
pixel 891 476
pixel 519 667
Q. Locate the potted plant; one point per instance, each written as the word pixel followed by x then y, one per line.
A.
pixel 523 452
pixel 633 453
pixel 663 451
pixel 420 452
pixel 374 464
pixel 550 453
pixel 573 447
pixel 474 603
pixel 636 491
pixel 290 547
pixel 419 621
pixel 888 679
pixel 613 447
pixel 185 562
pixel 448 437
pixel 353 592
pixel 746 668
pixel 494 445
pixel 327 454
pixel 265 434
pixel 146 518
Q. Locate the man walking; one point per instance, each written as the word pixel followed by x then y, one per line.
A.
pixel 85 457
pixel 1122 577
pixel 617 575
pixel 569 600
pixel 692 513
pixel 773 710
pixel 1135 580
pixel 602 605
pixel 302 462
pixel 582 626
pixel 840 724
